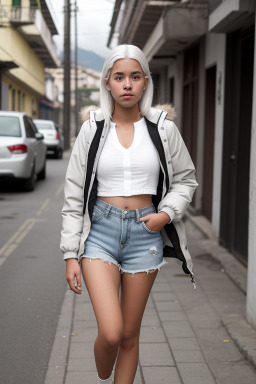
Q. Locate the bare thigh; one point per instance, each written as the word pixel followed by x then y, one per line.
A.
pixel 135 293
pixel 102 281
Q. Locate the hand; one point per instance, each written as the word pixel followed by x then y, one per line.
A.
pixel 156 221
pixel 73 275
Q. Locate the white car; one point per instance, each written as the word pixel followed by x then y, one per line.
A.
pixel 22 150
pixel 52 137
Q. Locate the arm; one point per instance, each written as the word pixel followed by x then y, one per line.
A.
pixel 184 183
pixel 72 212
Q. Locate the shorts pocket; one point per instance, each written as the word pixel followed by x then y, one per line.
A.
pixel 97 213
pixel 149 230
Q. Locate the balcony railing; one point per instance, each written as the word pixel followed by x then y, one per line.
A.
pixel 18 15
pixel 213 4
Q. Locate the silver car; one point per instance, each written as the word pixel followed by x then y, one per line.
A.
pixel 52 136
pixel 22 150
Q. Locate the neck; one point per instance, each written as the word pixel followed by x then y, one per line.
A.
pixel 127 115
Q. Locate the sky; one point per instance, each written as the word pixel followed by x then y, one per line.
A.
pixel 93 24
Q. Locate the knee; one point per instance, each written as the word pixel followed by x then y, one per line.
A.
pixel 111 338
pixel 130 339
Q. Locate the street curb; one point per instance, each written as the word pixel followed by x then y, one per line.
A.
pixel 243 335
pixel 58 360
pixel 240 331
pixel 233 268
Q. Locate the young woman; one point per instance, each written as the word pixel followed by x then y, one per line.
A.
pixel 129 181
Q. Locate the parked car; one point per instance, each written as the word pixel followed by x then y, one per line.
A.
pixel 22 150
pixel 53 138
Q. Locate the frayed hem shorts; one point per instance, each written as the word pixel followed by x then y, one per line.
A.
pixel 118 236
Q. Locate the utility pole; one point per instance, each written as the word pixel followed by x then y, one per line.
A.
pixel 76 73
pixel 66 111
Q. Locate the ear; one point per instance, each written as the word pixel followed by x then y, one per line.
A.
pixel 106 83
pixel 146 83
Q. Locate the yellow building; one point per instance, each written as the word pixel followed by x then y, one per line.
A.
pixel 26 48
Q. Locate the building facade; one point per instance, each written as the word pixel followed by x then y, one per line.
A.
pixel 26 48
pixel 88 84
pixel 202 57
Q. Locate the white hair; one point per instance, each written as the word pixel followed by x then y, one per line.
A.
pixel 122 52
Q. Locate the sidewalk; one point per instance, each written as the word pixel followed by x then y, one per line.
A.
pixel 187 336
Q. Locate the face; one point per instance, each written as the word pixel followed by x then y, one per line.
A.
pixel 127 82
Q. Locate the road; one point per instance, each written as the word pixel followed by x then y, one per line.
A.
pixel 32 276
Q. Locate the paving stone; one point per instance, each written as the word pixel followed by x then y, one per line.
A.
pixel 155 354
pixel 86 377
pixel 192 356
pixel 83 334
pixel 196 370
pixel 168 306
pixel 80 350
pixel 178 328
pixel 152 334
pixel 81 364
pixel 172 315
pixel 161 287
pixel 200 380
pixel 163 375
pixel 150 320
pixel 164 296
pixel 183 343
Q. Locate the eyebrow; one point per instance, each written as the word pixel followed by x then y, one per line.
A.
pixel 132 73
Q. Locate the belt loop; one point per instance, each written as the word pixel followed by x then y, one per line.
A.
pixel 107 211
pixel 137 215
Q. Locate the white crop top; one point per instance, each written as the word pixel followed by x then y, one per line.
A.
pixel 128 171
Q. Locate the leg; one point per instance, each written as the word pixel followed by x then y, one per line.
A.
pixel 102 280
pixel 135 293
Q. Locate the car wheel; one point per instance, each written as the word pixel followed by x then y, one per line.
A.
pixel 42 174
pixel 29 184
pixel 58 154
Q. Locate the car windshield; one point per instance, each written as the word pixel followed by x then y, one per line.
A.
pixel 44 126
pixel 10 126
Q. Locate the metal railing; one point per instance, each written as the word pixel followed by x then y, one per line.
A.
pixel 213 4
pixel 18 15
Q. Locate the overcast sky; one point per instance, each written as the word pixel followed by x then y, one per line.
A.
pixel 93 24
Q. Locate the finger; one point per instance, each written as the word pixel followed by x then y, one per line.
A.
pixel 72 283
pixel 79 282
pixel 144 218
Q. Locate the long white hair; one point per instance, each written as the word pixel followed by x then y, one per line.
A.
pixel 122 52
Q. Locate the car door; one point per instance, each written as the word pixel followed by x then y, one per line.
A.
pixel 33 144
pixel 41 147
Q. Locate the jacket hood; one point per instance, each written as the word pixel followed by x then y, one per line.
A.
pixel 153 114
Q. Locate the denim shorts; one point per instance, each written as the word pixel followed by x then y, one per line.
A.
pixel 117 236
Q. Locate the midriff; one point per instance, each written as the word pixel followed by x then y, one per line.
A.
pixel 128 202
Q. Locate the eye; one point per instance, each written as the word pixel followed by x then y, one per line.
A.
pixel 118 78
pixel 136 77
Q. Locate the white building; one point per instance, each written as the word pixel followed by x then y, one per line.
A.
pixel 202 58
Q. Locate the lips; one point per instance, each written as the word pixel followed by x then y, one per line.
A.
pixel 127 95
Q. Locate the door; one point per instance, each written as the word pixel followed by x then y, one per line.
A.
pixel 209 125
pixel 237 141
pixel 190 100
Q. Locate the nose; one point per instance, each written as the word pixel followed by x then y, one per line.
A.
pixel 127 83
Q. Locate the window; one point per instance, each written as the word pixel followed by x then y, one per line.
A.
pixel 13 99
pixel 10 126
pixel 19 100
pixel 34 3
pixel 29 127
pixel 23 102
pixel 16 3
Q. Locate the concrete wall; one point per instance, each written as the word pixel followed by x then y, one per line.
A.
pixel 175 69
pixel 251 281
pixel 215 48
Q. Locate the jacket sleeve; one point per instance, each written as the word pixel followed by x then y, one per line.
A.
pixel 184 182
pixel 72 211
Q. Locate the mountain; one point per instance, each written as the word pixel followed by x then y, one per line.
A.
pixel 87 59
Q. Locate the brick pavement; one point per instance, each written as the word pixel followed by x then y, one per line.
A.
pixel 185 335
